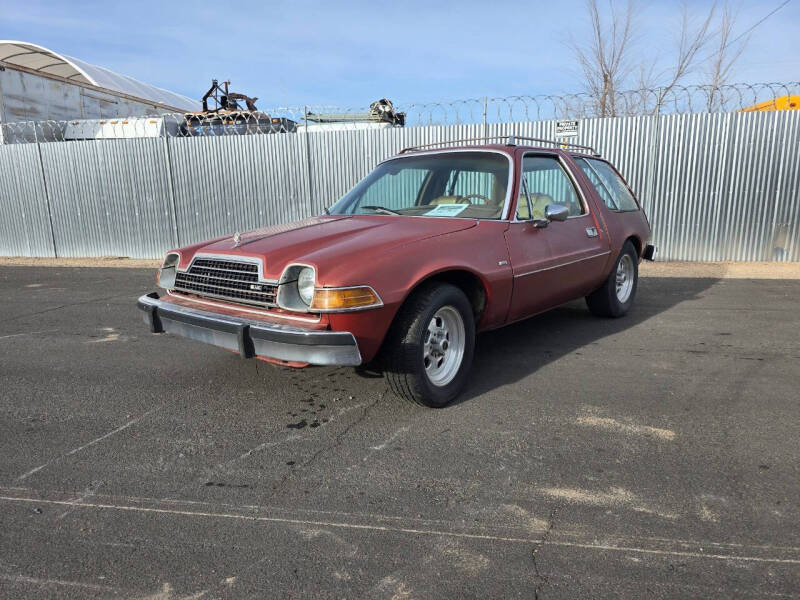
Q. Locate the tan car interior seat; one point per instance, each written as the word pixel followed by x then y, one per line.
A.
pixel 539 203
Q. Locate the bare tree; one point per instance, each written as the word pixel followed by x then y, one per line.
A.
pixel 691 42
pixel 726 53
pixel 612 62
pixel 605 60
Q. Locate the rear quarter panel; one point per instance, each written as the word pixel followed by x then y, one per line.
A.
pixel 618 226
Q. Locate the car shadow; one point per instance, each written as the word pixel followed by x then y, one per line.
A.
pixel 507 355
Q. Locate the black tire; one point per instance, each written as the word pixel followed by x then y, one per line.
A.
pixel 403 351
pixel 604 301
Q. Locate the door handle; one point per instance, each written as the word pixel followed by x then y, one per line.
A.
pixel 592 232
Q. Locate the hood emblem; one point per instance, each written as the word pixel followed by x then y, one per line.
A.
pixel 237 239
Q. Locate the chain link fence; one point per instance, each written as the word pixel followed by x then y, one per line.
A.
pixel 383 115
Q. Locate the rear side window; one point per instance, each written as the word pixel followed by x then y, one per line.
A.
pixel 609 185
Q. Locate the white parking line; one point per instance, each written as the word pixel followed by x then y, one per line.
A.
pixel 87 445
pixel 59 582
pixel 5 337
pixel 259 448
pixel 391 438
pixel 407 530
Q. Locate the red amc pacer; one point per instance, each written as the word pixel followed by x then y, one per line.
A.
pixel 430 248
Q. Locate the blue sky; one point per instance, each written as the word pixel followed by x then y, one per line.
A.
pixel 350 53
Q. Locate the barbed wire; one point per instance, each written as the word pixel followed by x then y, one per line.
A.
pixel 487 110
pixel 640 102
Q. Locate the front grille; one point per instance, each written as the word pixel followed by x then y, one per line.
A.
pixel 226 279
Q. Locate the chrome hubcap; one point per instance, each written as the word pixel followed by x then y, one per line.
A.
pixel 443 346
pixel 625 275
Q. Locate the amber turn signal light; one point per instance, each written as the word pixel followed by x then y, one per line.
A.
pixel 329 299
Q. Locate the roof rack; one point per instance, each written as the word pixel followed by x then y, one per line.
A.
pixel 511 140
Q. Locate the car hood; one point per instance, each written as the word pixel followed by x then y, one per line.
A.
pixel 329 241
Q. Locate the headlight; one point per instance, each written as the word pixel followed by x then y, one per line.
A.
pixel 171 260
pixel 298 291
pixel 166 274
pixel 305 285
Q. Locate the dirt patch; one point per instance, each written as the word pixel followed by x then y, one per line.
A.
pixel 722 270
pixel 105 261
pixel 462 558
pixel 706 514
pixel 596 498
pixel 521 515
pixel 627 428
pixel 614 496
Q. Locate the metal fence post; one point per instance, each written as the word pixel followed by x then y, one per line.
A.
pixel 650 186
pixel 308 164
pixel 171 190
pixel 485 112
pixel 46 196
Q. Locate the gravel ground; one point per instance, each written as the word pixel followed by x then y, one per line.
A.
pixel 655 455
pixel 107 261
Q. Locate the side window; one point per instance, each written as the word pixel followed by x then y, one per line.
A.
pixel 547 183
pixel 394 191
pixel 609 185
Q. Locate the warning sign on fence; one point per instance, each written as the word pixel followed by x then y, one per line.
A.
pixel 566 129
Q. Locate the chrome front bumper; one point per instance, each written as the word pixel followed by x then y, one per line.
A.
pixel 251 337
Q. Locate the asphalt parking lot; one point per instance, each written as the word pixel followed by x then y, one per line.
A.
pixel 653 456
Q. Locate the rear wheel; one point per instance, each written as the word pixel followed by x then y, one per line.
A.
pixel 429 350
pixel 615 297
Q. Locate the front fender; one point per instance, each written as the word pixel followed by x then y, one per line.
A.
pixel 480 251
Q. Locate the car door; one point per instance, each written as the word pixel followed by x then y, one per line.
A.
pixel 562 260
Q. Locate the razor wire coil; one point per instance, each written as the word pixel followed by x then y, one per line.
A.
pixel 682 99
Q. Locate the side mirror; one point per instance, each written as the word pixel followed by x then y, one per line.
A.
pixel 556 212
pixel 553 212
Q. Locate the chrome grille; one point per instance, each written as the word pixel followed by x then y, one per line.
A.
pixel 226 279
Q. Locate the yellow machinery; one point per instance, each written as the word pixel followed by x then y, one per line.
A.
pixel 782 103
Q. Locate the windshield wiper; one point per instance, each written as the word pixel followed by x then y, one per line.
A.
pixel 381 209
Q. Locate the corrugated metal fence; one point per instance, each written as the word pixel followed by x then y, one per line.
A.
pixel 715 186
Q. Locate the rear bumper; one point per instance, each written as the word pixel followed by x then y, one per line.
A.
pixel 251 338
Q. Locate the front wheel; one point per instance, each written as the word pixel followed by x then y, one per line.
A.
pixel 429 350
pixel 615 297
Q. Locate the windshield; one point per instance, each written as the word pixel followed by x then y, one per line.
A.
pixel 456 184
